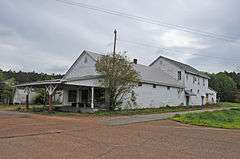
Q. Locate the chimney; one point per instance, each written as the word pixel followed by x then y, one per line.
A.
pixel 135 61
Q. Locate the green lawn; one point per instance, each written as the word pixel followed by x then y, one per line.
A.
pixel 8 107
pixel 219 119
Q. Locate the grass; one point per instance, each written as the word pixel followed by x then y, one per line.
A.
pixel 218 119
pixel 18 107
pixel 40 110
pixel 8 107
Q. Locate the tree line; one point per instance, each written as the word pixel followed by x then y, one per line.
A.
pixel 227 85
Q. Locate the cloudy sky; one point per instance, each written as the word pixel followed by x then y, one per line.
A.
pixel 47 35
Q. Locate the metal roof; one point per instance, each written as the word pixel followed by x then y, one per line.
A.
pixel 183 66
pixel 38 83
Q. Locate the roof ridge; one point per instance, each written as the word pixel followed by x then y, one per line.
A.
pixel 186 67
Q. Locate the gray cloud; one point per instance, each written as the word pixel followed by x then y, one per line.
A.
pixel 47 36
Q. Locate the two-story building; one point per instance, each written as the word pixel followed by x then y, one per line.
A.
pixel 164 82
pixel 195 82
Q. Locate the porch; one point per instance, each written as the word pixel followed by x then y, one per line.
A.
pixel 76 97
pixel 85 97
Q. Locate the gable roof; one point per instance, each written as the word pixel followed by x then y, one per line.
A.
pixel 93 55
pixel 183 66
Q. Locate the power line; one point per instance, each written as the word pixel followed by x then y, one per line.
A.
pixel 167 49
pixel 151 21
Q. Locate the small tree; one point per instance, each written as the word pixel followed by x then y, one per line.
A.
pixel 41 96
pixel 1 75
pixel 119 77
pixel 8 90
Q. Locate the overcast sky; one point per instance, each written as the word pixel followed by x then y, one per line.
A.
pixel 48 36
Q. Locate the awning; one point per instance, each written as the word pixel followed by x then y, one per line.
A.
pixel 40 83
pixel 189 93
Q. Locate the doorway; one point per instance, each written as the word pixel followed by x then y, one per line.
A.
pixel 187 100
pixel 202 100
pixel 84 96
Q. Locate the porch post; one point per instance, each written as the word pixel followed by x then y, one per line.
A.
pixel 27 101
pixel 27 90
pixel 77 98
pixel 50 90
pixel 50 102
pixel 92 98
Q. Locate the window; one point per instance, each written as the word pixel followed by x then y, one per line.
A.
pixel 154 85
pixel 198 91
pixel 191 90
pixel 139 84
pixel 179 75
pixel 187 77
pixel 194 79
pixel 168 87
pixel 72 96
pixel 198 81
pixel 203 82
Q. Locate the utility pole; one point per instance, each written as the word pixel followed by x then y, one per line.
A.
pixel 115 40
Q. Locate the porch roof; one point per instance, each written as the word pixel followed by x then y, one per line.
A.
pixel 40 83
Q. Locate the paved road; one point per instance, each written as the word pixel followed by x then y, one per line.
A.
pixel 36 136
pixel 123 120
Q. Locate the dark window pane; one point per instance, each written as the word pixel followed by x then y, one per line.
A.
pixel 72 96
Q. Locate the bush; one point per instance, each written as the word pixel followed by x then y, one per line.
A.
pixel 41 97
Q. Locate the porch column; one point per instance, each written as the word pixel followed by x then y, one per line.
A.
pixel 77 98
pixel 27 90
pixel 50 90
pixel 92 98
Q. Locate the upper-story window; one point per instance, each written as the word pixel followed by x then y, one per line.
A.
pixel 186 76
pixel 203 82
pixel 179 75
pixel 194 79
pixel 198 81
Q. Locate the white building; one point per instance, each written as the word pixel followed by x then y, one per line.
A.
pixel 164 82
pixel 195 82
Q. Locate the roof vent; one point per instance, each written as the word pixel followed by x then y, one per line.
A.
pixel 135 61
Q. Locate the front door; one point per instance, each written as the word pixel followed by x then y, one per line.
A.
pixel 202 100
pixel 85 96
pixel 187 100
